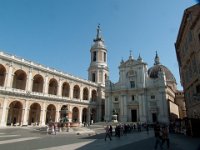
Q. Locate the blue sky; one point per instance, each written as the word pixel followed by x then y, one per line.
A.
pixel 59 33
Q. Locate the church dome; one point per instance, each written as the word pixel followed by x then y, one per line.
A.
pixel 154 71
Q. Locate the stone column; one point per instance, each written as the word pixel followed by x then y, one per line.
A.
pixel 71 90
pixel 165 108
pixel 9 76
pixel 108 109
pixel 30 81
pixel 57 114
pixel 88 115
pixel 143 117
pixel 97 74
pixel 60 87
pixel 46 84
pixel 43 114
pixel 90 94
pixel 80 114
pixel 140 109
pixel 81 92
pixel 25 116
pixel 4 113
pixel 123 108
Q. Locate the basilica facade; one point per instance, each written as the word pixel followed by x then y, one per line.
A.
pixel 32 94
pixel 143 95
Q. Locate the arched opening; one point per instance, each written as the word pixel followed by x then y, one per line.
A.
pixel 84 115
pixel 38 83
pixel 19 81
pixel 51 114
pixel 76 92
pixel 34 114
pixel 65 114
pixel 85 94
pixel 75 114
pixel 94 95
pixel 65 89
pixel 15 113
pixel 53 85
pixel 2 75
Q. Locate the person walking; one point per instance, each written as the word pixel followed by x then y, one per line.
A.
pixel 157 134
pixel 107 132
pixel 165 136
pixel 111 130
pixel 54 127
pixel 147 128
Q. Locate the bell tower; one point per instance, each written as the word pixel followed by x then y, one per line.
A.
pixel 98 70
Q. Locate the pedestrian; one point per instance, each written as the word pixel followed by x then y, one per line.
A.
pixel 165 136
pixel 54 126
pixel 147 128
pixel 107 132
pixel 157 134
pixel 111 130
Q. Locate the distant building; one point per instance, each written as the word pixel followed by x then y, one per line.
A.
pixel 143 95
pixel 32 94
pixel 188 55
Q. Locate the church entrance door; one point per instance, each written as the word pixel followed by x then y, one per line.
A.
pixel 134 115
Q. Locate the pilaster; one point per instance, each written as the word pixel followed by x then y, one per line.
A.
pixel 5 113
pixel 9 76
pixel 25 112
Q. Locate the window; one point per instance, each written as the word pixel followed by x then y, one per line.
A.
pixel 94 56
pixel 198 89
pixel 104 57
pixel 132 83
pixel 133 97
pixel 153 97
pixel 93 77
pixel 199 37
pixel 116 99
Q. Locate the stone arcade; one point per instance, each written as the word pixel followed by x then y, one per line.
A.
pixel 32 94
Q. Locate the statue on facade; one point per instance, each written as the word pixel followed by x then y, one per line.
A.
pixel 114 116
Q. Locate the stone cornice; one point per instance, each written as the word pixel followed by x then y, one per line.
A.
pixel 12 58
pixel 40 96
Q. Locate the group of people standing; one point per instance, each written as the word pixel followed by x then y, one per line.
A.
pixel 121 129
pixel 161 135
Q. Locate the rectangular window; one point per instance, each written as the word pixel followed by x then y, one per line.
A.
pixel 104 57
pixel 199 37
pixel 116 99
pixel 132 83
pixel 94 56
pixel 93 77
pixel 198 89
pixel 133 97
pixel 153 97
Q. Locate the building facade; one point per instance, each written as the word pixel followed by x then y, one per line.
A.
pixel 141 94
pixel 32 94
pixel 188 55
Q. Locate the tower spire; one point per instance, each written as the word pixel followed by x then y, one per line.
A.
pixel 98 36
pixel 157 59
pixel 130 57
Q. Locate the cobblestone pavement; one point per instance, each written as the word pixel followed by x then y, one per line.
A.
pixel 86 138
